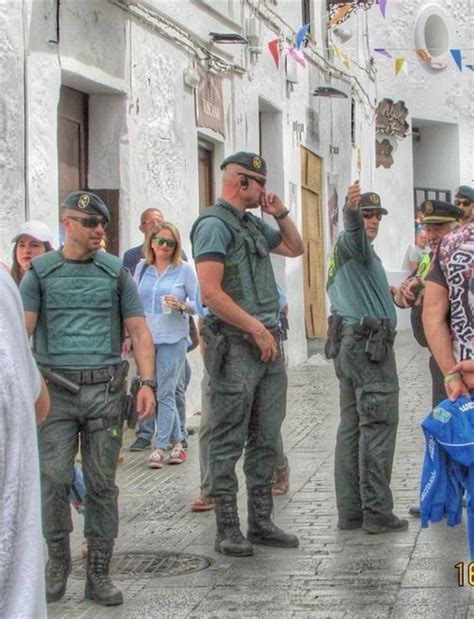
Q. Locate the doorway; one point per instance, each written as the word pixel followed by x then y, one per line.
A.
pixel 313 239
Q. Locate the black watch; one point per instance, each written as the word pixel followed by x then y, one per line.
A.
pixel 282 215
pixel 148 383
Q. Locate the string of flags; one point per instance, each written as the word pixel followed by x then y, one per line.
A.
pixel 400 62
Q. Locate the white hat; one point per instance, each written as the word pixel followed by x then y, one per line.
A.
pixel 36 229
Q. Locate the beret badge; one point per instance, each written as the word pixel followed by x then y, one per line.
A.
pixel 83 201
pixel 257 162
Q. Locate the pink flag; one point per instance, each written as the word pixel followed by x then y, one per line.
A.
pixel 383 6
pixel 297 56
pixel 274 48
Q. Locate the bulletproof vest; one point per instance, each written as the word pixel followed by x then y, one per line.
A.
pixel 248 273
pixel 79 321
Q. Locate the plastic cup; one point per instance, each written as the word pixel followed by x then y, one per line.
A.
pixel 165 308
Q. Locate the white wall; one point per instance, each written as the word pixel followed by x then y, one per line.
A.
pixel 436 156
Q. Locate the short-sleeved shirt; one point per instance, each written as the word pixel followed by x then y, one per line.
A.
pixel 212 241
pixel 453 268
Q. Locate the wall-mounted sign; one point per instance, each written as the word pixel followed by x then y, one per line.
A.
pixel 210 102
pixel 383 154
pixel 391 118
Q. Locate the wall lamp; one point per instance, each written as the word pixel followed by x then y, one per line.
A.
pixel 227 38
pixel 328 91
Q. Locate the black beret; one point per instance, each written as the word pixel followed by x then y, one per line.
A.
pixel 251 161
pixel 86 202
pixel 439 212
pixel 371 200
pixel 466 192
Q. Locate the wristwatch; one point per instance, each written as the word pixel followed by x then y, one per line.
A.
pixel 182 307
pixel 147 382
pixel 282 215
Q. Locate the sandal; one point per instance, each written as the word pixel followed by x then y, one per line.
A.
pixel 281 482
pixel 157 459
pixel 203 504
pixel 177 456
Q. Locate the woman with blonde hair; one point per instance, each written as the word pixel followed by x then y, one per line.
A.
pixel 165 284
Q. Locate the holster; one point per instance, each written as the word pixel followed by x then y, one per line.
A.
pixel 217 345
pixel 379 338
pixel 333 341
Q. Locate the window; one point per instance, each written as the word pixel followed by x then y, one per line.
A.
pixel 206 174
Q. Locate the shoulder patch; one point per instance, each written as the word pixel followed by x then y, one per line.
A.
pixel 441 414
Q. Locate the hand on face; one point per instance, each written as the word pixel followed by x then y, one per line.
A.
pixel 271 204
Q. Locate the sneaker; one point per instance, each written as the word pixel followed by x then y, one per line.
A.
pixel 140 444
pixel 203 504
pixel 385 524
pixel 157 459
pixel 177 456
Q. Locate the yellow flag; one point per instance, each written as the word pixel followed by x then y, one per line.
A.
pixel 400 65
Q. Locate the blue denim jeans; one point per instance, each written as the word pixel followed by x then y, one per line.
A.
pixel 183 383
pixel 170 360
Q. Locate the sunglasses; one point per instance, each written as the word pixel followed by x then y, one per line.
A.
pixel 90 222
pixel 159 240
pixel 369 213
pixel 462 202
pixel 261 181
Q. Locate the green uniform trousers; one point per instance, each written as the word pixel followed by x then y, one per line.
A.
pixel 247 408
pixel 69 417
pixel 367 431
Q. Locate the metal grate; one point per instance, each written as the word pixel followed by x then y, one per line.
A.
pixel 148 564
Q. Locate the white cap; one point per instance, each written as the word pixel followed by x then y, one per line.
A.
pixel 36 229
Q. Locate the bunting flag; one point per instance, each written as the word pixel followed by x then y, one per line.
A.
pixel 426 58
pixel 400 66
pixel 339 12
pixel 301 36
pixel 343 57
pixel 456 54
pixel 383 52
pixel 274 48
pixel 423 54
pixel 383 6
pixel 297 56
pixel 340 15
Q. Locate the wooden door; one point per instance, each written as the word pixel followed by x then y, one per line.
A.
pixel 314 275
pixel 72 141
pixel 206 175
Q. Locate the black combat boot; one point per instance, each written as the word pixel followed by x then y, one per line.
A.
pixel 261 528
pixel 230 540
pixel 99 586
pixel 58 568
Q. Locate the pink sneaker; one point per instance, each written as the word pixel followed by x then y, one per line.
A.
pixel 177 456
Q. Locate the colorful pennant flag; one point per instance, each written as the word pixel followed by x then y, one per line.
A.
pixel 423 54
pixel 343 57
pixel 383 52
pixel 297 56
pixel 383 6
pixel 400 66
pixel 456 54
pixel 301 36
pixel 274 48
pixel 339 15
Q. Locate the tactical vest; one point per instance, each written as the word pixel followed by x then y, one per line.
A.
pixel 79 321
pixel 248 273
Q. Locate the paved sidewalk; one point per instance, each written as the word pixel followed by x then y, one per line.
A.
pixel 333 573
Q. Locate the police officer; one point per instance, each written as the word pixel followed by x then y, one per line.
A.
pixel 77 301
pixel 439 219
pixel 365 366
pixel 248 382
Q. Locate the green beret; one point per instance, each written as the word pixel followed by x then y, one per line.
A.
pixel 466 192
pixel 86 202
pixel 371 200
pixel 439 212
pixel 251 161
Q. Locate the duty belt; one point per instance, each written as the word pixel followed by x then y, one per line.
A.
pixel 354 330
pixel 88 377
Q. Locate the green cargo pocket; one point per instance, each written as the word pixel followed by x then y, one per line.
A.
pixel 378 403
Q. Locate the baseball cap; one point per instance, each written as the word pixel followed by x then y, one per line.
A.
pixel 36 229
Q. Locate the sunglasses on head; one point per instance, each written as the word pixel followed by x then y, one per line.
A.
pixel 261 181
pixel 462 202
pixel 159 240
pixel 90 222
pixel 369 213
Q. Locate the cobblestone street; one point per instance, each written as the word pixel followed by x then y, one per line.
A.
pixel 332 574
